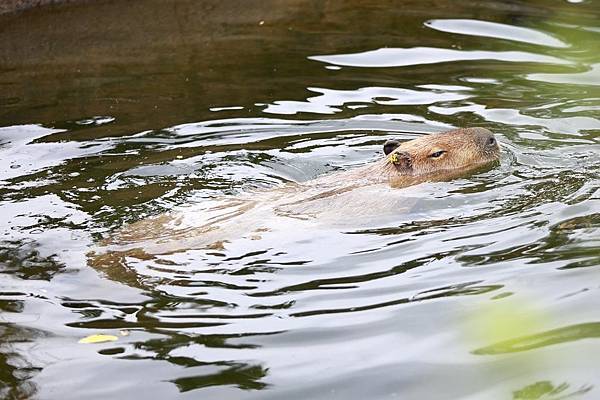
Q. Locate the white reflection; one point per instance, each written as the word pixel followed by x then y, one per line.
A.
pixel 568 126
pixel 590 77
pixel 400 57
pixel 495 30
pixel 22 151
pixel 329 100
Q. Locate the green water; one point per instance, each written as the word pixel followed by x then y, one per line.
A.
pixel 486 288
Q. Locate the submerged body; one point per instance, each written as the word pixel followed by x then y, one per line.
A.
pixel 330 201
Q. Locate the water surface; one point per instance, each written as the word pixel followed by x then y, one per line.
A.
pixel 484 288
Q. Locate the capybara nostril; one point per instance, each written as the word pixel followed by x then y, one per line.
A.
pixel 486 138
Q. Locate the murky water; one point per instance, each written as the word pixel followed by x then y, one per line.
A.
pixel 486 287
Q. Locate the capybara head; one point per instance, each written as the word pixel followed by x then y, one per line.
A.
pixel 440 153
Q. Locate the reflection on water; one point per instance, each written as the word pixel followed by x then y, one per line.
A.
pixel 115 112
pixel 496 31
pixel 17 370
pixel 546 390
pixel 555 336
pixel 427 55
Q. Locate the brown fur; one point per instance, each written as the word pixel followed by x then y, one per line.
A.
pixel 464 150
pixel 333 200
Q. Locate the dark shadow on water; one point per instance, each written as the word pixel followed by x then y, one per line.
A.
pixel 201 374
pixel 242 376
pixel 17 370
pixel 22 259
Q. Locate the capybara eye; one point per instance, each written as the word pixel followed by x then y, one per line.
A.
pixel 437 154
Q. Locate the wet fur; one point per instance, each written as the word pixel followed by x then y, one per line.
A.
pixel 330 201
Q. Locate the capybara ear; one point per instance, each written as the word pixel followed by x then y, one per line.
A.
pixel 390 145
pixel 401 160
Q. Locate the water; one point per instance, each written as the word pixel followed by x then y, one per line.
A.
pixel 486 288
